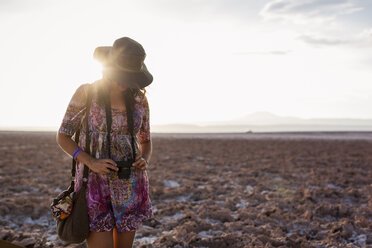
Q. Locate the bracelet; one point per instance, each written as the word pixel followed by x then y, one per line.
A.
pixel 77 149
pixel 76 152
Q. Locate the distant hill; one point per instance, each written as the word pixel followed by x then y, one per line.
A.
pixel 268 122
pixel 254 122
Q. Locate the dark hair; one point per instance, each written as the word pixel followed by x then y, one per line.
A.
pixel 129 100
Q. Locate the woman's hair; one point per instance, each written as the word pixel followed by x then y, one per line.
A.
pixel 129 95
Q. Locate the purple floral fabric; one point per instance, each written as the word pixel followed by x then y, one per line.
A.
pixel 111 201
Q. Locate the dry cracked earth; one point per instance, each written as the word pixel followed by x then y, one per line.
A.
pixel 209 192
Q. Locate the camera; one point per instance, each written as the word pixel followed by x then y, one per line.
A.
pixel 125 168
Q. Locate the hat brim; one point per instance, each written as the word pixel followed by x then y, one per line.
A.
pixel 132 79
pixel 101 53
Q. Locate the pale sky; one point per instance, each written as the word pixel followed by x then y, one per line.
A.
pixel 212 60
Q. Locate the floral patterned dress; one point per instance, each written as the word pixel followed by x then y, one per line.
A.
pixel 112 202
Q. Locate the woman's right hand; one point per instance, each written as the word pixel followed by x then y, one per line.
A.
pixel 102 166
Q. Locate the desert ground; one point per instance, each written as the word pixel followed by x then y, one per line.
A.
pixel 211 190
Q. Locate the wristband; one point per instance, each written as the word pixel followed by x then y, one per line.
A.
pixel 76 152
pixel 77 149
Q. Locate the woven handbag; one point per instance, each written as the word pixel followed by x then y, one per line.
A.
pixel 69 208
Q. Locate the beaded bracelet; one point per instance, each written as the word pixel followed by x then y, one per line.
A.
pixel 76 152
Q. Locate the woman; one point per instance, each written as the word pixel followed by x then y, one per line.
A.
pixel 116 206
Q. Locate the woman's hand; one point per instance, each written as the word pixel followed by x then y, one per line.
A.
pixel 140 162
pixel 102 166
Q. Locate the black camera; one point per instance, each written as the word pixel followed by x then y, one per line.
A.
pixel 125 168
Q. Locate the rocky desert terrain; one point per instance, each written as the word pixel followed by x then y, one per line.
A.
pixel 211 190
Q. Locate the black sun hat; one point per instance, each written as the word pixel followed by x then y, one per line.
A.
pixel 123 62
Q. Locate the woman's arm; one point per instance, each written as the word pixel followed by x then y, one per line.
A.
pixel 100 166
pixel 142 160
pixel 72 119
pixel 147 150
pixel 69 146
pixel 71 122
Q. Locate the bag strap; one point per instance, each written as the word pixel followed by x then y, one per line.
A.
pixel 87 143
pixel 109 123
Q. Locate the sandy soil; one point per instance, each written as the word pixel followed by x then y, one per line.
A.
pixel 209 192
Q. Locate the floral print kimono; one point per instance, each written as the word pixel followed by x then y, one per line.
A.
pixel 112 202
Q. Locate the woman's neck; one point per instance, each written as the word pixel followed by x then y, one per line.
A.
pixel 115 94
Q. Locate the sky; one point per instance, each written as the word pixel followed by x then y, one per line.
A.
pixel 212 60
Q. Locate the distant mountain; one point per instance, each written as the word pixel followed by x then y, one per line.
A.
pixel 254 122
pixel 268 122
pixel 267 118
pixel 264 118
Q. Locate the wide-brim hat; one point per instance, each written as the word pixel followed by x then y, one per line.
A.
pixel 123 62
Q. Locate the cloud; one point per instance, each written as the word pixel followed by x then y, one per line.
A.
pixel 364 38
pixel 322 41
pixel 302 12
pixel 367 34
pixel 360 40
pixel 322 22
pixel 17 6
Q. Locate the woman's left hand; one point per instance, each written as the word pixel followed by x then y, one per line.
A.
pixel 140 162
